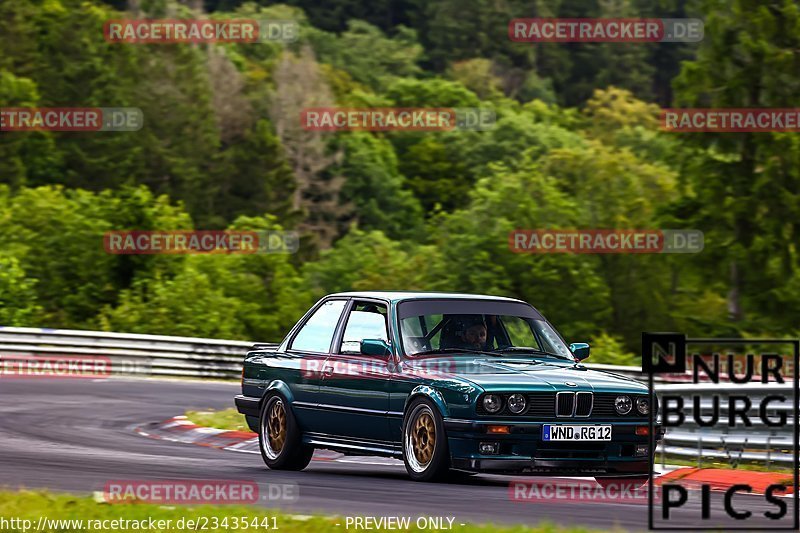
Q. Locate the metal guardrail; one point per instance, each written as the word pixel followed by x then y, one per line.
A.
pixel 130 353
pixel 758 442
pixel 160 355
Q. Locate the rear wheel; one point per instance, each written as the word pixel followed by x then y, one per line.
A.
pixel 279 437
pixel 425 451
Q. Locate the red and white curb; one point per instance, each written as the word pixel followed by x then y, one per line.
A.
pixel 179 429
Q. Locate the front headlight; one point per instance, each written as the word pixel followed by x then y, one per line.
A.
pixel 492 403
pixel 623 405
pixel 516 403
pixel 643 406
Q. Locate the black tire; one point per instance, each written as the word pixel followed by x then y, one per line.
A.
pixel 252 422
pixel 285 449
pixel 431 462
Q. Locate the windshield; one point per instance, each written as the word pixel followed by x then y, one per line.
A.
pixel 500 334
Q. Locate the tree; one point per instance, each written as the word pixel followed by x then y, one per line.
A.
pixel 256 177
pixel 747 184
pixel 475 253
pixel 378 190
pixel 613 189
pixel 299 85
pixel 478 76
pixel 188 304
pixel 369 56
pixel 56 235
pixel 26 158
pixel 370 261
pixel 18 302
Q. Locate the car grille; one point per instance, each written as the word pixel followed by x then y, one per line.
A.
pixel 565 402
pixel 583 403
pixel 548 405
pixel 574 404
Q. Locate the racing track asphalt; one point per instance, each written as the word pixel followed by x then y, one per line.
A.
pixel 75 435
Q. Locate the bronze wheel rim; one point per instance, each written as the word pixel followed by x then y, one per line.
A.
pixel 276 428
pixel 423 438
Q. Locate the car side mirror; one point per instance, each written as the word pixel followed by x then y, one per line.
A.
pixel 580 350
pixel 375 347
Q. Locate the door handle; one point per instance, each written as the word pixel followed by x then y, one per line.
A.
pixel 327 371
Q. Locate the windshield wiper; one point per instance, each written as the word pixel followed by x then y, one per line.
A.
pixel 456 350
pixel 528 349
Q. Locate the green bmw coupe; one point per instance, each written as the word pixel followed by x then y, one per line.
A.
pixel 445 382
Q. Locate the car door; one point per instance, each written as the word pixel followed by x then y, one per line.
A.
pixel 308 348
pixel 355 388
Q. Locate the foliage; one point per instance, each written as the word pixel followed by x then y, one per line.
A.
pixel 576 144
pixel 18 305
pixel 610 350
pixel 370 57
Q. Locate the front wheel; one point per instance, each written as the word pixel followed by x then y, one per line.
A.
pixel 425 451
pixel 279 437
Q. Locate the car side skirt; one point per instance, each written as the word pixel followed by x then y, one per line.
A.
pixel 350 446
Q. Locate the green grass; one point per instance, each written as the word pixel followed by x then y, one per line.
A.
pixel 229 419
pixel 32 505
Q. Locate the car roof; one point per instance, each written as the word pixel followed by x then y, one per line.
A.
pixel 397 296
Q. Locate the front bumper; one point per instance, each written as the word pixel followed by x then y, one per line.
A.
pixel 522 450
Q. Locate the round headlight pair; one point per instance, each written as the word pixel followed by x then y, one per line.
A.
pixel 493 403
pixel 623 405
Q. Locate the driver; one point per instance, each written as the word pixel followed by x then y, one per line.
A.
pixel 474 337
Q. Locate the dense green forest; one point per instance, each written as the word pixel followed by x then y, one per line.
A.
pixel 577 144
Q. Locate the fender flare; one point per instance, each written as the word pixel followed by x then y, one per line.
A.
pixel 432 394
pixel 280 386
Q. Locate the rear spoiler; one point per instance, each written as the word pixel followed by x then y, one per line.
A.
pixel 264 346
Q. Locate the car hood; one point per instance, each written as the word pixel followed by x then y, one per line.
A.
pixel 525 375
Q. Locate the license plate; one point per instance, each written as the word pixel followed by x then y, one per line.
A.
pixel 563 432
